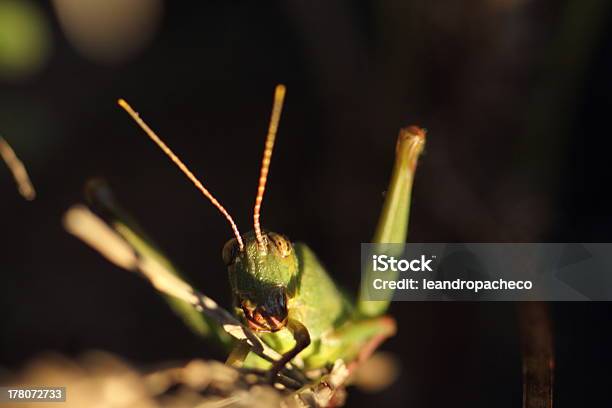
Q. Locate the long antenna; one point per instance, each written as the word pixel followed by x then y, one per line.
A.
pixel 183 168
pixel 277 108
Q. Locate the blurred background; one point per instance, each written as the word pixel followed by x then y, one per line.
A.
pixel 515 95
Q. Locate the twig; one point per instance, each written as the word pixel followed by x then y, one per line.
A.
pixel 26 189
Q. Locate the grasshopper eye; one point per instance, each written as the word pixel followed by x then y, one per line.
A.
pixel 230 251
pixel 281 243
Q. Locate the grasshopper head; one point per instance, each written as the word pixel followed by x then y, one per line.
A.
pixel 261 278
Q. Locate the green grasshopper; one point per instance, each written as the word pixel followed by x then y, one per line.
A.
pixel 289 311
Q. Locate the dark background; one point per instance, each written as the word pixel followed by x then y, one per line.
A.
pixel 516 99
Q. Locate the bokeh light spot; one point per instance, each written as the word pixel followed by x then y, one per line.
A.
pixel 108 31
pixel 24 39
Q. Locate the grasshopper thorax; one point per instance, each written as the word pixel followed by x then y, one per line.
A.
pixel 262 278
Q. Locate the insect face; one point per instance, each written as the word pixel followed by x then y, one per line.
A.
pixel 262 279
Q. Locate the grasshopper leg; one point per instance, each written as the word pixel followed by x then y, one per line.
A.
pixel 387 328
pixel 302 340
pixel 354 342
pixel 392 227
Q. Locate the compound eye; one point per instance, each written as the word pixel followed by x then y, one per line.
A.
pixel 281 243
pixel 230 251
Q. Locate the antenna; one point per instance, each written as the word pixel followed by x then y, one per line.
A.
pixel 183 168
pixel 277 108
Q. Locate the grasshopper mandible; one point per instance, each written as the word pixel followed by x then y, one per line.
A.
pixel 281 292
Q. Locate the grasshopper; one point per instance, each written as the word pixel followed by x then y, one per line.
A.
pixel 288 311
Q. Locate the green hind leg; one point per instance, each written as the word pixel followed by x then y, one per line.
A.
pixel 392 225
